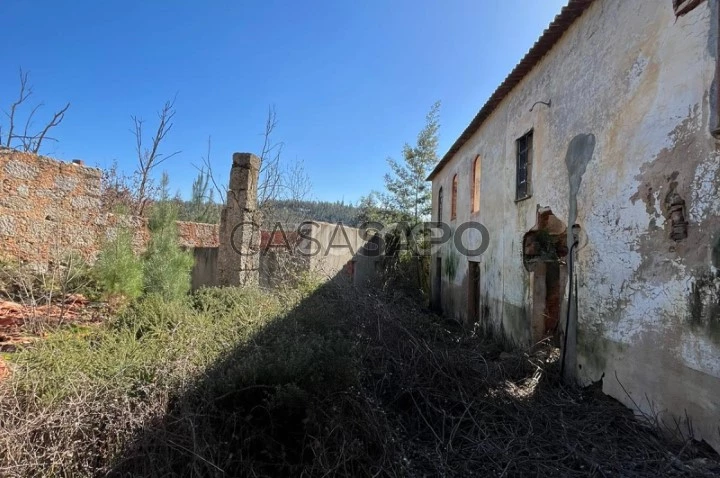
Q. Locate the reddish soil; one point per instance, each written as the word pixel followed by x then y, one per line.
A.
pixel 20 324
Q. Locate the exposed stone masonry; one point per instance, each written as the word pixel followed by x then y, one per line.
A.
pixel 239 254
pixel 49 208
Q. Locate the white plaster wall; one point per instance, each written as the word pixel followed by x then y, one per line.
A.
pixel 639 79
pixel 336 245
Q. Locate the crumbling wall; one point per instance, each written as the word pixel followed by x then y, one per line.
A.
pixel 46 206
pixel 198 235
pixel 49 208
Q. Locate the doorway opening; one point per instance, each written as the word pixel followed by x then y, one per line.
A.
pixel 473 292
pixel 544 253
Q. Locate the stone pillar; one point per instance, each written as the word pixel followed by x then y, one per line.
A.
pixel 239 253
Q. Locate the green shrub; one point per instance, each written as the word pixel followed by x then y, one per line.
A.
pixel 167 266
pixel 240 304
pixel 152 314
pixel 118 270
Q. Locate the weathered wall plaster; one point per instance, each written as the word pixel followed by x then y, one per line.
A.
pixel 633 90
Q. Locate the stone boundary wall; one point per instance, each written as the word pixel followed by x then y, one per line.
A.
pixel 328 250
pixel 196 234
pixel 49 208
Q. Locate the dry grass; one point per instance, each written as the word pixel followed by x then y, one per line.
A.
pixel 329 382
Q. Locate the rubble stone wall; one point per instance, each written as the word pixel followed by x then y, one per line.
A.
pixel 239 251
pixel 49 208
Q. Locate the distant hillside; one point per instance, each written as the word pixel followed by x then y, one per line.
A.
pixel 290 211
pixel 285 211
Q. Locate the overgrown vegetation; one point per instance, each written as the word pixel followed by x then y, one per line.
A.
pixel 314 381
pixel 118 270
pixel 163 269
pixel 46 293
pixel 118 276
pixel 166 266
pixel 402 207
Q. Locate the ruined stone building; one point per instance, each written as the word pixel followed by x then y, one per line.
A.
pixel 605 135
pixel 50 209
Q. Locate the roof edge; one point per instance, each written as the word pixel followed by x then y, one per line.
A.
pixel 552 34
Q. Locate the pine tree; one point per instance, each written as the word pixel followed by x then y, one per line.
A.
pixel 408 191
pixel 118 270
pixel 201 207
pixel 167 266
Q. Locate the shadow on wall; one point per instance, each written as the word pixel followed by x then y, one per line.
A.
pixel 204 272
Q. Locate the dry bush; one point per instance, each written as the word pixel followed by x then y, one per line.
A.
pixel 351 383
pixel 43 289
pixel 75 438
pixel 315 381
pixel 77 398
pixel 281 268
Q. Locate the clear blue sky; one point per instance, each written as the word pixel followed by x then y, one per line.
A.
pixel 351 80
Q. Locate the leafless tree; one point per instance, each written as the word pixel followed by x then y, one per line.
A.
pixel 297 183
pixel 28 141
pixel 278 180
pixel 207 169
pixel 149 157
pixel 270 182
pixel 116 190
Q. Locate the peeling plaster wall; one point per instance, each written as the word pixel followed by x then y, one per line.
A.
pixel 49 208
pixel 640 83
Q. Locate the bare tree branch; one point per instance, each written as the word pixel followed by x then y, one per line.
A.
pixel 207 168
pixel 29 142
pixel 270 168
pixel 138 123
pixel 150 158
pixel 56 120
pixel 276 182
pixel 25 139
pixel 297 182
pixel 25 92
